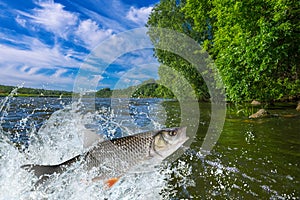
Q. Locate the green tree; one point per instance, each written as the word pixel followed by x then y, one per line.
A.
pixel 197 13
pixel 151 88
pixel 104 93
pixel 255 45
pixel 168 14
pixel 177 84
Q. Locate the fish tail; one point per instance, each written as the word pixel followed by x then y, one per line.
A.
pixel 43 172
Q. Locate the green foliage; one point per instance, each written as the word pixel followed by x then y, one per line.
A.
pixel 29 92
pixel 168 14
pixel 176 83
pixel 257 48
pixel 255 44
pixel 153 90
pixel 147 89
pixel 104 93
pixel 202 23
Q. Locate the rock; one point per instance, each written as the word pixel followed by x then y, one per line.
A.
pixel 255 103
pixel 298 107
pixel 259 114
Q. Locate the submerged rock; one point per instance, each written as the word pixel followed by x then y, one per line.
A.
pixel 259 114
pixel 255 103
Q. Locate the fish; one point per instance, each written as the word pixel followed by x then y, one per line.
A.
pixel 110 159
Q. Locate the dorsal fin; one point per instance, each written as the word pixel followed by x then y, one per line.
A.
pixel 90 137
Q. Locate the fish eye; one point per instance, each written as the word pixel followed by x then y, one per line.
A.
pixel 172 133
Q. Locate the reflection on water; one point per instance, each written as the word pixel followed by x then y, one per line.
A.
pixel 253 159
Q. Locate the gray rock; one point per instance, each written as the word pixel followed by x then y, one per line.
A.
pixel 259 114
pixel 255 103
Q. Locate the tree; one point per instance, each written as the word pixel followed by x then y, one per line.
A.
pixel 202 23
pixel 104 93
pixel 255 44
pixel 257 47
pixel 176 83
pixel 168 14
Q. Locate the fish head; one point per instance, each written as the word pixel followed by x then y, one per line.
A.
pixel 167 141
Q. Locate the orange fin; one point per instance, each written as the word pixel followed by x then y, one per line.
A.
pixel 111 182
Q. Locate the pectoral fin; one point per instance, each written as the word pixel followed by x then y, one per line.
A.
pixel 111 182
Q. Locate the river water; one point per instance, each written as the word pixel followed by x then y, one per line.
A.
pixel 253 159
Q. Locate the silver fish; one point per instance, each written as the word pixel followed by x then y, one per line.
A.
pixel 113 158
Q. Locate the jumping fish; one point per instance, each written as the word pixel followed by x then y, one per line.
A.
pixel 112 158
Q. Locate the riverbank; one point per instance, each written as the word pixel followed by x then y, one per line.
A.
pixel 32 92
pixel 147 90
pixel 37 95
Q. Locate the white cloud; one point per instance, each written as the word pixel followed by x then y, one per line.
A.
pixel 64 24
pixel 122 43
pixel 39 55
pixel 29 70
pixel 139 15
pixel 90 33
pixel 46 60
pixel 127 80
pixel 136 75
pixel 12 75
pixel 86 83
pixel 58 73
pixel 111 20
pixel 21 21
pixel 136 58
pixel 54 18
pixel 27 65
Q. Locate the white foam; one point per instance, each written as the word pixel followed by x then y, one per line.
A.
pixel 58 140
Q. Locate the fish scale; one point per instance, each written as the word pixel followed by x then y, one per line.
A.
pixel 119 154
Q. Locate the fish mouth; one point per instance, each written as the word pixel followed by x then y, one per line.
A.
pixel 183 130
pixel 183 135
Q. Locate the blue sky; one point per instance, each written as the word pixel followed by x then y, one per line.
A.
pixel 44 43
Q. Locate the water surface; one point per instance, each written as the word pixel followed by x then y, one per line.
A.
pixel 253 159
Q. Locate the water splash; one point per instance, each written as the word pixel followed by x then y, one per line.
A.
pixel 4 109
pixel 59 138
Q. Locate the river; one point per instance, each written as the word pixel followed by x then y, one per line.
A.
pixel 252 159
